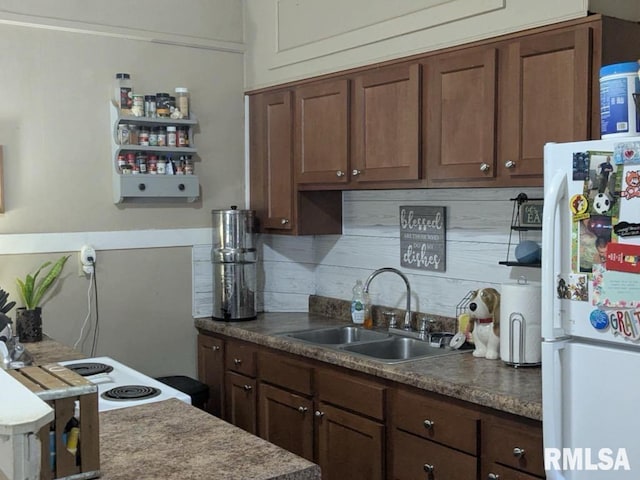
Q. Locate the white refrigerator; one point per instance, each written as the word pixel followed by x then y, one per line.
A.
pixel 591 310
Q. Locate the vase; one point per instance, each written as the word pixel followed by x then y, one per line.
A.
pixel 29 324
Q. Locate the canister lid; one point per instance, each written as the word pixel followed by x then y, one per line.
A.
pixel 233 210
pixel 616 68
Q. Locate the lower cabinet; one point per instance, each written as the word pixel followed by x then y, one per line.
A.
pixel 350 446
pixel 211 371
pixel 241 401
pixel 286 420
pixel 416 458
pixel 358 427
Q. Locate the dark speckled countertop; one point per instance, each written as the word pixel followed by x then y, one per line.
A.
pixel 489 383
pixel 171 440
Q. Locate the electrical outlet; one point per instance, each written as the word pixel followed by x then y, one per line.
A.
pixel 86 260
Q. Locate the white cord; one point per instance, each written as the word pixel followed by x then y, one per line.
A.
pixel 75 345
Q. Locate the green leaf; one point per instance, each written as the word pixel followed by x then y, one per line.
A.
pixel 31 290
pixel 46 283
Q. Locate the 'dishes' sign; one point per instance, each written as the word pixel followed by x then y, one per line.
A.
pixel 423 238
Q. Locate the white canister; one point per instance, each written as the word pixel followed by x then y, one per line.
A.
pixel 520 324
pixel 618 113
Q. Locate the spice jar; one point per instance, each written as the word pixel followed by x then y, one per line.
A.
pixel 162 137
pixel 122 161
pixel 123 134
pixel 143 137
pixel 150 106
pixel 153 137
pixel 137 110
pixel 141 162
pixel 162 105
pixel 162 165
pixel 131 159
pixel 188 166
pixel 182 137
pixel 171 136
pixel 182 101
pixel 133 134
pixel 152 164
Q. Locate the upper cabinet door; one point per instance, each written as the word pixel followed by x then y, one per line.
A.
pixel 460 117
pixel 545 98
pixel 386 125
pixel 321 132
pixel 279 161
pixel 271 136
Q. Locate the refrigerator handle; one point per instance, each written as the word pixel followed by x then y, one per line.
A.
pixel 557 188
pixel 552 400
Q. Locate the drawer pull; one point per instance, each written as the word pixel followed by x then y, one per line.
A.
pixel 493 476
pixel 319 414
pixel 518 452
pixel 237 361
pixel 339 173
pixel 302 409
pixel 428 424
pixel 215 348
pixel 485 167
pixel 247 388
pixel 356 172
pixel 510 164
pixel 428 468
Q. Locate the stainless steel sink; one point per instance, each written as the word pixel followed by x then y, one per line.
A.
pixel 376 345
pixel 338 335
pixel 399 349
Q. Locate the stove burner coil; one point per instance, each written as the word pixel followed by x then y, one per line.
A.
pixel 131 392
pixel 89 368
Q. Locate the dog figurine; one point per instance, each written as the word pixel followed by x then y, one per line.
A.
pixel 484 324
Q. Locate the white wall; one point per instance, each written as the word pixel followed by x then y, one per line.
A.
pixel 478 223
pixel 59 59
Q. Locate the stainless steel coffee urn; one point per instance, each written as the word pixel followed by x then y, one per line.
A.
pixel 234 258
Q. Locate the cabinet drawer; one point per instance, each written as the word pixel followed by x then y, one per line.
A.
pixel 241 358
pixel 499 472
pixel 516 445
pixel 285 372
pixel 416 458
pixel 436 420
pixel 355 394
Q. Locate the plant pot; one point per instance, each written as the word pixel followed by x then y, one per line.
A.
pixel 29 324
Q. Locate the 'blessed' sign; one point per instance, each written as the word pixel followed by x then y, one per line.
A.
pixel 423 238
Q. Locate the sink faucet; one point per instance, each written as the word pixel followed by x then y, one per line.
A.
pixel 407 316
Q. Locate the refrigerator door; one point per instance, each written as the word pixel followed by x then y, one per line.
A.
pixel 590 413
pixel 573 313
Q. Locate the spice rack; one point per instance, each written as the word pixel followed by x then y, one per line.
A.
pixel 141 187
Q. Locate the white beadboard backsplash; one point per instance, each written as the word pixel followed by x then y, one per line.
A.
pixel 292 268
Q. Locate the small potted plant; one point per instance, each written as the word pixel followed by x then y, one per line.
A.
pixel 31 291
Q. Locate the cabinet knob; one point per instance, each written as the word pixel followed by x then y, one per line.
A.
pixel 428 468
pixel 319 414
pixel 247 388
pixel 181 187
pixel 493 476
pixel 518 452
pixel 237 361
pixel 215 348
pixel 284 221
pixel 428 424
pixel 510 164
pixel 142 187
pixel 355 172
pixel 339 173
pixel 484 167
pixel 302 409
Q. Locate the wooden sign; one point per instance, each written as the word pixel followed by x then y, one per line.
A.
pixel 423 238
pixel 531 214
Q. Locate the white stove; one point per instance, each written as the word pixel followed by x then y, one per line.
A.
pixel 120 386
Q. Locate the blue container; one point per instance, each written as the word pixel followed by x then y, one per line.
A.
pixel 618 114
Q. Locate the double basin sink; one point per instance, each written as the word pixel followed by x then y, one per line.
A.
pixel 377 345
